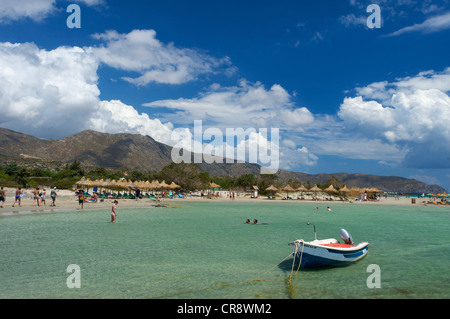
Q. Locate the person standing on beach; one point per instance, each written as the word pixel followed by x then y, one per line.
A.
pixel 36 196
pixel 138 193
pixel 18 197
pixel 2 197
pixel 42 196
pixel 113 211
pixel 80 199
pixel 53 196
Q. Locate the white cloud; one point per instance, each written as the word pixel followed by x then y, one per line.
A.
pixel 246 105
pixel 351 20
pixel 434 24
pixel 15 10
pixel 89 2
pixel 52 94
pixel 371 115
pixel 55 93
pixel 37 10
pixel 298 118
pixel 117 117
pixel 46 92
pixel 141 52
pixel 18 9
pixel 416 119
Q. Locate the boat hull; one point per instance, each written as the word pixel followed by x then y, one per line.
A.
pixel 327 253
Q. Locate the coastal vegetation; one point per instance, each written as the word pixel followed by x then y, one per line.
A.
pixel 188 176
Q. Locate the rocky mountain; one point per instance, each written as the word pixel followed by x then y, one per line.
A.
pixel 138 152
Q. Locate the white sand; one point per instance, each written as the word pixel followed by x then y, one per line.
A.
pixel 67 201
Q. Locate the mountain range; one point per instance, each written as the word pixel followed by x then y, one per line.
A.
pixel 139 152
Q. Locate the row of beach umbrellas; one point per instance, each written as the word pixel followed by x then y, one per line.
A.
pixel 124 184
pixel 329 189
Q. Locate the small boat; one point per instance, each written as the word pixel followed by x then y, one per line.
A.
pixel 328 252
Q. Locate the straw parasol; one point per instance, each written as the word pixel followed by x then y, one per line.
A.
pixel 85 182
pixel 173 186
pixel 147 185
pixel 301 189
pixel 331 189
pixel 344 189
pixel 374 190
pixel 271 188
pixel 288 189
pixel 315 189
pixel 214 185
pixel 122 184
pixel 163 184
pixel 155 184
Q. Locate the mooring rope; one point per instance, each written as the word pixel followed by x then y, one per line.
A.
pixel 291 287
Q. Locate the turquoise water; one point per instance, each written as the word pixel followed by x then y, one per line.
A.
pixel 205 250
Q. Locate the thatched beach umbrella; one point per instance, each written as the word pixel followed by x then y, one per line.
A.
pixel 82 181
pixel 155 184
pixel 288 189
pixel 301 189
pixel 214 185
pixel 147 185
pixel 163 185
pixel 315 189
pixel 174 186
pixel 85 182
pixel 344 189
pixel 331 189
pixel 122 184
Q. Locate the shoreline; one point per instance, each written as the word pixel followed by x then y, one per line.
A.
pixel 66 201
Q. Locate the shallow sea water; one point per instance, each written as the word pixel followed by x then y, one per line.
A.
pixel 205 250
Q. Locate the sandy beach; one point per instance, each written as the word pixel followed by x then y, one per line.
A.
pixel 67 201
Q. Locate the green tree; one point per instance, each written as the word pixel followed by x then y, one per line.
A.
pixel 264 181
pixel 245 181
pixel 185 175
pixel 21 176
pixel 11 169
pixel 204 177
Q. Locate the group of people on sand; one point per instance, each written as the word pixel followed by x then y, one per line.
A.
pixel 38 196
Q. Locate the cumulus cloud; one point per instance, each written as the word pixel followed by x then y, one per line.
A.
pixel 297 118
pixel 141 52
pixel 37 10
pixel 248 105
pixel 52 94
pixel 46 92
pixel 415 117
pixel 245 105
pixel 18 9
pixel 116 117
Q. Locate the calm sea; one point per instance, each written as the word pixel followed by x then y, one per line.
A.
pixel 205 250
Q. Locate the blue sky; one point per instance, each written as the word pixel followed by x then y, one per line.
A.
pixel 345 97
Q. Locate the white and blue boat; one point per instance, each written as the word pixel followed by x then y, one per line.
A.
pixel 328 252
